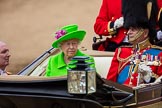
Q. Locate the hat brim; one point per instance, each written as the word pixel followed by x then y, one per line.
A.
pixel 73 35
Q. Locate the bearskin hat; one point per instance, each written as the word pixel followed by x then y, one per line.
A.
pixel 141 13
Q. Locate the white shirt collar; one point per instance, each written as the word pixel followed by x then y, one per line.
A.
pixel 2 72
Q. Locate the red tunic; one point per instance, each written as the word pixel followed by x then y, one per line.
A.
pixel 117 66
pixel 110 11
pixel 113 71
pixel 159 2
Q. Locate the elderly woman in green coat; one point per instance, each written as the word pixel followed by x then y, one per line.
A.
pixel 68 40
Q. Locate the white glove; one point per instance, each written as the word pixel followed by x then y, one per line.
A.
pixel 159 35
pixel 158 80
pixel 118 23
pixel 145 71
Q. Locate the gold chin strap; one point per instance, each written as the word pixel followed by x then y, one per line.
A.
pixel 136 36
pixel 149 8
pixel 160 12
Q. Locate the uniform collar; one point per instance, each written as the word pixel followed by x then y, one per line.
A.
pixel 143 45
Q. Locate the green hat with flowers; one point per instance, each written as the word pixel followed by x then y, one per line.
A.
pixel 68 32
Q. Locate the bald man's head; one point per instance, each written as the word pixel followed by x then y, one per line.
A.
pixel 4 55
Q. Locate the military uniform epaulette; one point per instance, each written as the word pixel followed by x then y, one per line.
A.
pixel 156 47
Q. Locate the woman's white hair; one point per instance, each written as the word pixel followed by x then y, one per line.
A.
pixel 59 44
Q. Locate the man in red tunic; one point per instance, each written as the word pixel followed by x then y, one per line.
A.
pixel 109 23
pixel 141 62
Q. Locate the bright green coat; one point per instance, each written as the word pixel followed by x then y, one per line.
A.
pixel 57 66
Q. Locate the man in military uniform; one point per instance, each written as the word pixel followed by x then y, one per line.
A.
pixel 141 62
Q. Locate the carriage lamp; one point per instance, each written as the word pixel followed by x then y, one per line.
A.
pixel 81 76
